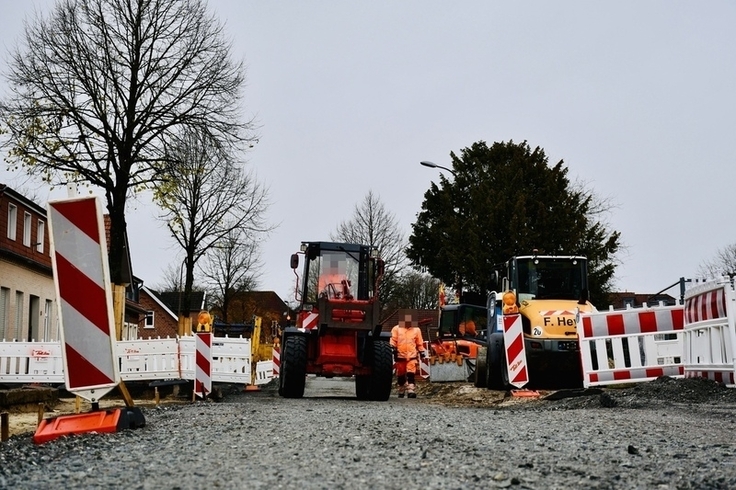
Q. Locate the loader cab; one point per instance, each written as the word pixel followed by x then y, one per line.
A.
pixel 546 277
pixel 463 320
pixel 338 271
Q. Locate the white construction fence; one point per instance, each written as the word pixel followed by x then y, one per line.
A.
pixel 710 335
pixel 138 360
pixel 637 344
pixel 697 339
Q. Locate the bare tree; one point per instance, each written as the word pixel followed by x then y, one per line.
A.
pixel 172 279
pixel 231 268
pixel 723 264
pixel 417 291
pixel 372 224
pixel 99 86
pixel 208 200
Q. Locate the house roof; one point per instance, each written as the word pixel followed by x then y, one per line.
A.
pixel 172 300
pixel 266 300
pixel 4 189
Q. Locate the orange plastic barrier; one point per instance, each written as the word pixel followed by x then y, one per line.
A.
pixel 102 421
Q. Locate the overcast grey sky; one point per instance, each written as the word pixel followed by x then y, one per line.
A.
pixel 637 97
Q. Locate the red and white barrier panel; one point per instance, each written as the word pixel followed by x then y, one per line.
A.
pixel 513 338
pixel 710 332
pixel 633 345
pixel 82 280
pixel 276 360
pixel 424 366
pixel 203 372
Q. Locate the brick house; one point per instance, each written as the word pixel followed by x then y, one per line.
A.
pixel 28 307
pixel 624 299
pixel 268 305
pixel 27 292
pixel 161 311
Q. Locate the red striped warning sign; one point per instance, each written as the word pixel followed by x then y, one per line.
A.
pixel 203 374
pixel 710 305
pixel 276 360
pixel 513 337
pixel 309 320
pixel 82 279
pixel 633 321
pixel 424 367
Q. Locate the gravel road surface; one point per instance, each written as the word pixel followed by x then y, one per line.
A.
pixel 669 434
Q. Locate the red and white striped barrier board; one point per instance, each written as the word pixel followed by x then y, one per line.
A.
pixel 633 322
pixel 276 360
pixel 424 362
pixel 710 331
pixel 708 305
pixel 309 320
pixel 84 292
pixel 638 344
pixel 513 338
pixel 203 369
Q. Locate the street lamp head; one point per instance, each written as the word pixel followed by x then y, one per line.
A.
pixel 434 165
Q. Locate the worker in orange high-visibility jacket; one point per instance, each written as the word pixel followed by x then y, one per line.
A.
pixel 407 345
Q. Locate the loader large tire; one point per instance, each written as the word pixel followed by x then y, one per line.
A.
pixel 480 373
pixel 383 371
pixel 294 367
pixel 363 387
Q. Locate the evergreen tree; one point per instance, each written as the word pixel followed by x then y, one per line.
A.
pixel 506 200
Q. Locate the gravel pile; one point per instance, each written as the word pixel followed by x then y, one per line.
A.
pixel 665 434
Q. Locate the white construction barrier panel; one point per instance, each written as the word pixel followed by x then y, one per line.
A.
pixel 138 360
pixel 634 345
pixel 710 331
pixel 148 359
pixel 31 362
pixel 264 372
pixel 84 294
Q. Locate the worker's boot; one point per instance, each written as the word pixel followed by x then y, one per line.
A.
pixel 402 390
pixel 410 391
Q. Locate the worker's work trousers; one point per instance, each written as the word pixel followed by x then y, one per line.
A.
pixel 406 370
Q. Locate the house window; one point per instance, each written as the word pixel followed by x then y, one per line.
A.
pixel 4 309
pixel 40 235
pixel 12 220
pixel 149 319
pixel 27 229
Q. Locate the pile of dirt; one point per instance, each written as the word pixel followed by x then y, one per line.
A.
pixel 661 392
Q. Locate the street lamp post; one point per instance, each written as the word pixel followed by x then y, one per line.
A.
pixel 459 277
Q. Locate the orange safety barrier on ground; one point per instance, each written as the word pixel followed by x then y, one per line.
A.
pixel 103 421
